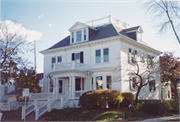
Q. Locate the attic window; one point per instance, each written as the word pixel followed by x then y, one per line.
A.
pixel 78 36
pixel 72 37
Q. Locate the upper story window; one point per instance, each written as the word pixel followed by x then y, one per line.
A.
pixel 79 57
pixel 132 56
pixel 59 59
pixel 72 37
pixel 53 61
pixel 98 56
pixel 79 36
pixel 152 85
pixel 84 34
pixel 142 57
pixel 106 54
pixel 150 61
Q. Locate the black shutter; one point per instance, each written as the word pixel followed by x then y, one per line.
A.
pixel 81 57
pixel 129 50
pixel 73 56
pixel 154 85
pixel 135 52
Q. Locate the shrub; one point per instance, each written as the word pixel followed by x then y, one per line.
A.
pixel 156 107
pixel 128 99
pixel 97 98
pixel 174 104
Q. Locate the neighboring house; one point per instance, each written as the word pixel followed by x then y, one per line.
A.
pixel 88 59
pixel 40 79
pixel 166 91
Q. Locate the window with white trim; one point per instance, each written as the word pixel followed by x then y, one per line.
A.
pixel 98 56
pixel 150 61
pixel 78 36
pixel 132 56
pixel 59 59
pixel 142 57
pixel 108 82
pixel 99 82
pixel 152 85
pixel 133 83
pixel 53 61
pixel 106 54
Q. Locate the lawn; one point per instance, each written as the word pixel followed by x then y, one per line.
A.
pixel 80 114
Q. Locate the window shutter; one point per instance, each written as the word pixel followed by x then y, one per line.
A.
pixel 154 84
pixel 73 55
pixel 130 82
pixel 81 57
pixel 129 56
pixel 135 52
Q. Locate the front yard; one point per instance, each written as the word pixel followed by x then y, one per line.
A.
pixel 75 114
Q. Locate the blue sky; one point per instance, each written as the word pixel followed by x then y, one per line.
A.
pixel 52 18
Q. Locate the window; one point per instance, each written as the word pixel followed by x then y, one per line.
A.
pixel 106 55
pixel 72 37
pixel 53 61
pixel 98 56
pixel 79 84
pixel 132 56
pixel 5 89
pixel 78 57
pixel 59 59
pixel 99 82
pixel 60 86
pixel 150 62
pixel 133 83
pixel 152 85
pixel 84 34
pixel 78 36
pixel 142 57
pixel 108 82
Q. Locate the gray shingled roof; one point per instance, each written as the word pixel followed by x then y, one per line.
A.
pixel 103 32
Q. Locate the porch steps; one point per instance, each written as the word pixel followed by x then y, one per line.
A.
pixel 56 104
pixel 31 116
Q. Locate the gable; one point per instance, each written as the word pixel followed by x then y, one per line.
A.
pixel 78 26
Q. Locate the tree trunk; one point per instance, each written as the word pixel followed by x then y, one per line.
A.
pixel 137 94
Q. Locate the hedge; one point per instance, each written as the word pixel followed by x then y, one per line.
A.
pixel 96 98
pixel 128 99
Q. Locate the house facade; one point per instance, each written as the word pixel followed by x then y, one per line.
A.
pixel 96 55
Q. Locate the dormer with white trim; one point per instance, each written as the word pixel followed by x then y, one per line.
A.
pixel 80 32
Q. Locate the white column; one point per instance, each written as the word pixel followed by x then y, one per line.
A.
pixel 94 82
pixel 73 86
pixel 70 83
pixel 104 82
pixel 74 37
pixel 48 82
pixel 82 34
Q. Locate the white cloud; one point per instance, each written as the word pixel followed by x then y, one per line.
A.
pixel 21 32
pixel 66 33
pixel 40 16
pixel 50 25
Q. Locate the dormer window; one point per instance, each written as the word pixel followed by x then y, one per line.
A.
pixel 72 37
pixel 78 36
pixel 84 34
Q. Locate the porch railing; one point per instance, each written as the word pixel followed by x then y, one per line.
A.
pixel 77 94
pixel 39 96
pixel 64 99
pixel 27 110
pixel 5 106
pixel 45 107
pixel 70 66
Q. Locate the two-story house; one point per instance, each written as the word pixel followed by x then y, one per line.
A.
pixel 88 58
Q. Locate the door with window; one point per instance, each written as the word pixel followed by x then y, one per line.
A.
pixel 60 86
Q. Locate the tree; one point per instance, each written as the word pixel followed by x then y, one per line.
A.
pixel 26 78
pixel 169 14
pixel 170 70
pixel 15 40
pixel 143 70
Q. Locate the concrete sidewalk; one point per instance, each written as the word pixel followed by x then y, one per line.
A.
pixel 162 118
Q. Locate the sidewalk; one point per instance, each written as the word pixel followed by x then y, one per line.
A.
pixel 162 118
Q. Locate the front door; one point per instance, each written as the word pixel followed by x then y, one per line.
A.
pixel 60 86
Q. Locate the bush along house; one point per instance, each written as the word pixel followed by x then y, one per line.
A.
pixel 90 59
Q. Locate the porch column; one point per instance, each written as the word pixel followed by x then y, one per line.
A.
pixel 104 82
pixel 54 85
pixel 94 82
pixel 70 83
pixel 73 86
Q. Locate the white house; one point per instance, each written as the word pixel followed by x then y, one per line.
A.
pixel 89 58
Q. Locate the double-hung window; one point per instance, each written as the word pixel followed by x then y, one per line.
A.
pixel 77 57
pixel 98 56
pixel 108 82
pixel 132 56
pixel 59 59
pixel 72 37
pixel 78 36
pixel 53 61
pixel 152 85
pixel 106 54
pixel 84 34
pixel 133 83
